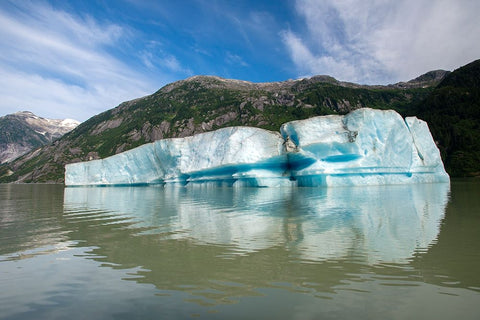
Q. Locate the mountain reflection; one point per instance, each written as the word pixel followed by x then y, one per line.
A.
pixel 368 224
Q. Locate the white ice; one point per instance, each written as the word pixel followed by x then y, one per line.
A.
pixel 249 156
pixel 364 147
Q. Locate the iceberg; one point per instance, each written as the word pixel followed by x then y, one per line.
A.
pixel 364 147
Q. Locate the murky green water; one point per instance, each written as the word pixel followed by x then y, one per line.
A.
pixel 390 252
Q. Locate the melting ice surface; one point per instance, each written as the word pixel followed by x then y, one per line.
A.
pixel 374 223
pixel 364 147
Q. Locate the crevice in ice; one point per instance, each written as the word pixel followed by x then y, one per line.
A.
pixel 289 145
pixel 352 136
pixel 420 155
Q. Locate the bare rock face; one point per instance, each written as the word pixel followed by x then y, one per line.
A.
pixel 106 125
pixel 23 131
pixel 160 131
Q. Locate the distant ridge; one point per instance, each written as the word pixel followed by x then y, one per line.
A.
pixel 23 131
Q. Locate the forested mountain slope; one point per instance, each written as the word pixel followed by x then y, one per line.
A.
pixel 452 111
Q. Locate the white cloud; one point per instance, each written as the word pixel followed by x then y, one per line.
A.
pixel 45 97
pixel 310 64
pixel 375 41
pixel 58 65
pixel 171 63
pixel 235 59
pixel 155 58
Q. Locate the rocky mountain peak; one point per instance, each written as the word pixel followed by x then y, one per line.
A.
pixel 24 131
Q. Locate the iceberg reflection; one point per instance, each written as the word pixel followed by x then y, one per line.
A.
pixel 373 224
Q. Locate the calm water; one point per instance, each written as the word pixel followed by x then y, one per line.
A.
pixel 396 252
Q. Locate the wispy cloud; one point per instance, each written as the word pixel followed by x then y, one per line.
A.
pixel 376 41
pixel 156 58
pixel 235 59
pixel 58 64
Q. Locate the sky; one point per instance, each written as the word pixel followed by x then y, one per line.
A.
pixel 75 59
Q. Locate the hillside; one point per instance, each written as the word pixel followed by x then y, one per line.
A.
pixel 452 111
pixel 203 103
pixel 23 131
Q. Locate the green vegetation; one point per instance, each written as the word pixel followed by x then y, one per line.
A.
pixel 344 99
pixel 452 111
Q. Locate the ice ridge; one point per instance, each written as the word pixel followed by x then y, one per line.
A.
pixel 364 147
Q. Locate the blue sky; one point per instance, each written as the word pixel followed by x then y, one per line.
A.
pixel 75 59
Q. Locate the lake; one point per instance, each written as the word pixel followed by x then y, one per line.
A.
pixel 386 252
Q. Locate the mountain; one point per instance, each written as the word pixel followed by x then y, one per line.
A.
pixel 204 103
pixel 452 111
pixel 23 131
